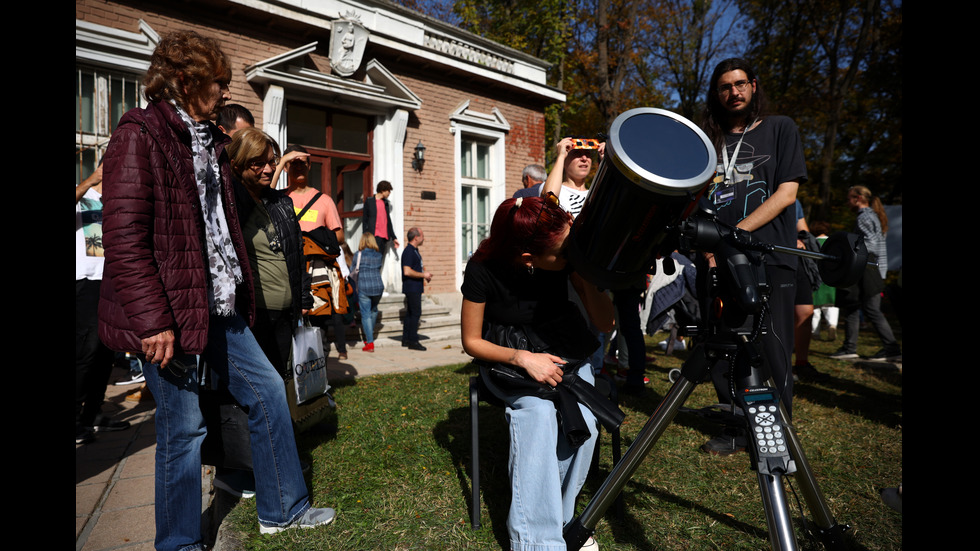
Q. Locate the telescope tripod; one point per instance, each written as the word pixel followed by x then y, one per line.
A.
pixel 762 411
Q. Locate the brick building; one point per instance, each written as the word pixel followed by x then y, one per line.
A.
pixel 360 83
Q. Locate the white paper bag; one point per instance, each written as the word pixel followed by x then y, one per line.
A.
pixel 309 363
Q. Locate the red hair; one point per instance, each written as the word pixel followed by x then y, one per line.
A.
pixel 523 225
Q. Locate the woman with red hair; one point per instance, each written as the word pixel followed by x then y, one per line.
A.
pixel 518 278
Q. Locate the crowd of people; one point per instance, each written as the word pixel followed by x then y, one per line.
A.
pixel 203 267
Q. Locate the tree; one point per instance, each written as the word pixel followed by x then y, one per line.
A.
pixel 541 29
pixel 685 40
pixel 603 63
pixel 822 60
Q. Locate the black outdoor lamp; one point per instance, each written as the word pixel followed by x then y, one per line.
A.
pixel 419 160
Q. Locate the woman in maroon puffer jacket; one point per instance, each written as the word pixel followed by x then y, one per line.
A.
pixel 175 262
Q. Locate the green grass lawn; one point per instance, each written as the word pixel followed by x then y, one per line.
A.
pixel 395 466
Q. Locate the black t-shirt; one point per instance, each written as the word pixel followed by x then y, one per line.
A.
pixel 538 302
pixel 770 154
pixel 513 296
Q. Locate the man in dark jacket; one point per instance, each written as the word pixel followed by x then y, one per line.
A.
pixel 176 290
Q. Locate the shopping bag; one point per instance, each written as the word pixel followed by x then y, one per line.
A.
pixel 309 363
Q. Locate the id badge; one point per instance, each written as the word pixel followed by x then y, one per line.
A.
pixel 725 193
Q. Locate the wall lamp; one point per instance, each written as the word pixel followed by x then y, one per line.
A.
pixel 418 160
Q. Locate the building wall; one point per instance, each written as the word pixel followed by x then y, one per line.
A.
pixel 244 45
pixel 431 125
pixel 441 92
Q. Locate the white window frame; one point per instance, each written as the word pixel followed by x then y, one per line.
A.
pixel 102 121
pixel 490 129
pixel 476 184
pixel 109 53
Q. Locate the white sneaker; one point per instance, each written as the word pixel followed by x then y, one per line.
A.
pixel 312 518
pixel 134 378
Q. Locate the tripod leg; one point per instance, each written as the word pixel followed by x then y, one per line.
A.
pixel 580 528
pixel 781 534
pixel 831 534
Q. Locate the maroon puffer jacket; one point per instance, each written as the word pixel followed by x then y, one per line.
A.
pixel 153 233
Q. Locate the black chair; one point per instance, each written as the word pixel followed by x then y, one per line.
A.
pixel 479 392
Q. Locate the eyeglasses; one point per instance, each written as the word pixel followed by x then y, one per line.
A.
pixel 727 88
pixel 259 165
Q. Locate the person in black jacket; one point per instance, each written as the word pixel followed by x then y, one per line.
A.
pixel 372 212
pixel 282 285
pixel 274 244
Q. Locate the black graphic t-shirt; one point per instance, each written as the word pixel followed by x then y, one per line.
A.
pixel 770 154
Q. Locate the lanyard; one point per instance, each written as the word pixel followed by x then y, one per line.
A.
pixel 730 166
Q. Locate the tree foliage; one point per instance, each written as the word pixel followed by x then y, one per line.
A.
pixel 685 41
pixel 542 29
pixel 835 67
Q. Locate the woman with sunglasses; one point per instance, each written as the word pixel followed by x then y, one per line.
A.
pixel 518 278
pixel 274 244
pixel 275 254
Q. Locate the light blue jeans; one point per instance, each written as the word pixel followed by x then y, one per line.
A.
pixel 545 479
pixel 233 355
pixel 369 314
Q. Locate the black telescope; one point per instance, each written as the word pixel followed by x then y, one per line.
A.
pixel 656 165
pixel 642 205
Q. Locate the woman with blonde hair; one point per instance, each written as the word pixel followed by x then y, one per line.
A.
pixel 367 265
pixel 274 245
pixel 872 223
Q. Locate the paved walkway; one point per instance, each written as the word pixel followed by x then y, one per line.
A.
pixel 114 475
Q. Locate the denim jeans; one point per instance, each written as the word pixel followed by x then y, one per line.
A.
pixel 369 314
pixel 233 355
pixel 545 480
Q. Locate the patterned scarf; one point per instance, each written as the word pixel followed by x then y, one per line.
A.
pixel 224 269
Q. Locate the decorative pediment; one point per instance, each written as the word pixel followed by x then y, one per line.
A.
pixel 115 49
pixel 380 89
pixel 493 121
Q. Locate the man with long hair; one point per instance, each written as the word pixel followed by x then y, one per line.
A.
pixel 760 168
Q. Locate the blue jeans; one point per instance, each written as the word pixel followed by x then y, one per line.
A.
pixel 233 355
pixel 545 480
pixel 369 314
